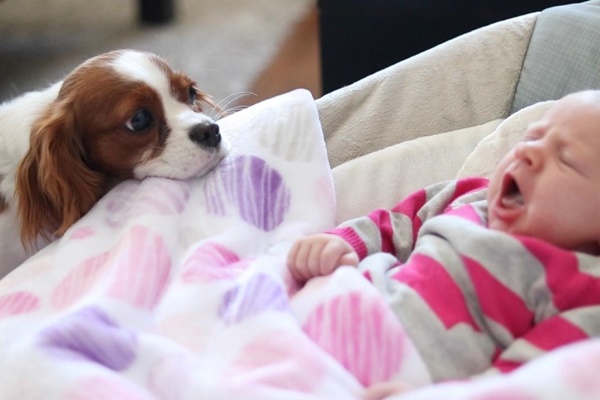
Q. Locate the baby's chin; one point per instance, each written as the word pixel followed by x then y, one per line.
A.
pixel 501 226
pixel 511 227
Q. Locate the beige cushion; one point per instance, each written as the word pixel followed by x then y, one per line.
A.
pixel 383 178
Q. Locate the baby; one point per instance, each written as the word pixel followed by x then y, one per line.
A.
pixel 486 275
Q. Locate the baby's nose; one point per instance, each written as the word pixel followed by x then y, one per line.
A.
pixel 530 152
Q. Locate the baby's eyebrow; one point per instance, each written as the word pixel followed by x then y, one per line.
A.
pixel 535 130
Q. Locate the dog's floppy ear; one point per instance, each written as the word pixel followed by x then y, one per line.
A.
pixel 54 186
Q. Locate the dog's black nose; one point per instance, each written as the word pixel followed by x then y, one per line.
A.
pixel 206 134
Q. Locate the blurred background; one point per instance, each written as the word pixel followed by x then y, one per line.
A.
pixel 225 45
pixel 232 47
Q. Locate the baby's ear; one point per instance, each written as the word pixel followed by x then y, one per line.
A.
pixel 54 186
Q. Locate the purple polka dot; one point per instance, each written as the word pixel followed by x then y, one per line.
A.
pixel 89 334
pixel 258 294
pixel 257 192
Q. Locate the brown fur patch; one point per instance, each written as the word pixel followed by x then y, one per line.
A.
pixel 181 84
pixel 102 102
pixel 54 186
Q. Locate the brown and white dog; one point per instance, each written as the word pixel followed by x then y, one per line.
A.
pixel 121 115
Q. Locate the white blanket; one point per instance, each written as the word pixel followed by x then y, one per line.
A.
pixel 179 290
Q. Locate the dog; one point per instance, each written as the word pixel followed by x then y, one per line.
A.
pixel 120 115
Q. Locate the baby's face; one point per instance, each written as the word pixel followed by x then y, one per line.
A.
pixel 548 185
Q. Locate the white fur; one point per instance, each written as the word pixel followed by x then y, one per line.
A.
pixel 181 158
pixel 16 118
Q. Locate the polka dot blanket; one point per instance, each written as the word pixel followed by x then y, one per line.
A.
pixel 179 290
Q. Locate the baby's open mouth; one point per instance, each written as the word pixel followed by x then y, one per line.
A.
pixel 511 194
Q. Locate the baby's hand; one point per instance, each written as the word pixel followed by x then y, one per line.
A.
pixel 319 255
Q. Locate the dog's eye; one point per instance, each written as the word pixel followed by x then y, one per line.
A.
pixel 192 95
pixel 140 121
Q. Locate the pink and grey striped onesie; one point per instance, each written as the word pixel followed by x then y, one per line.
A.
pixel 473 299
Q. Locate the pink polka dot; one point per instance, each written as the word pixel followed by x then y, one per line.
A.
pixel 361 333
pixel 79 281
pixel 82 233
pixel 280 360
pixel 141 265
pixel 206 274
pixel 18 303
pixel 212 261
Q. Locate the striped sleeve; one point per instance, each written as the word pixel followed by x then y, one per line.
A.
pixel 395 231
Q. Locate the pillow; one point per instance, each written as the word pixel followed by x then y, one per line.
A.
pixel 489 152
pixel 382 178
